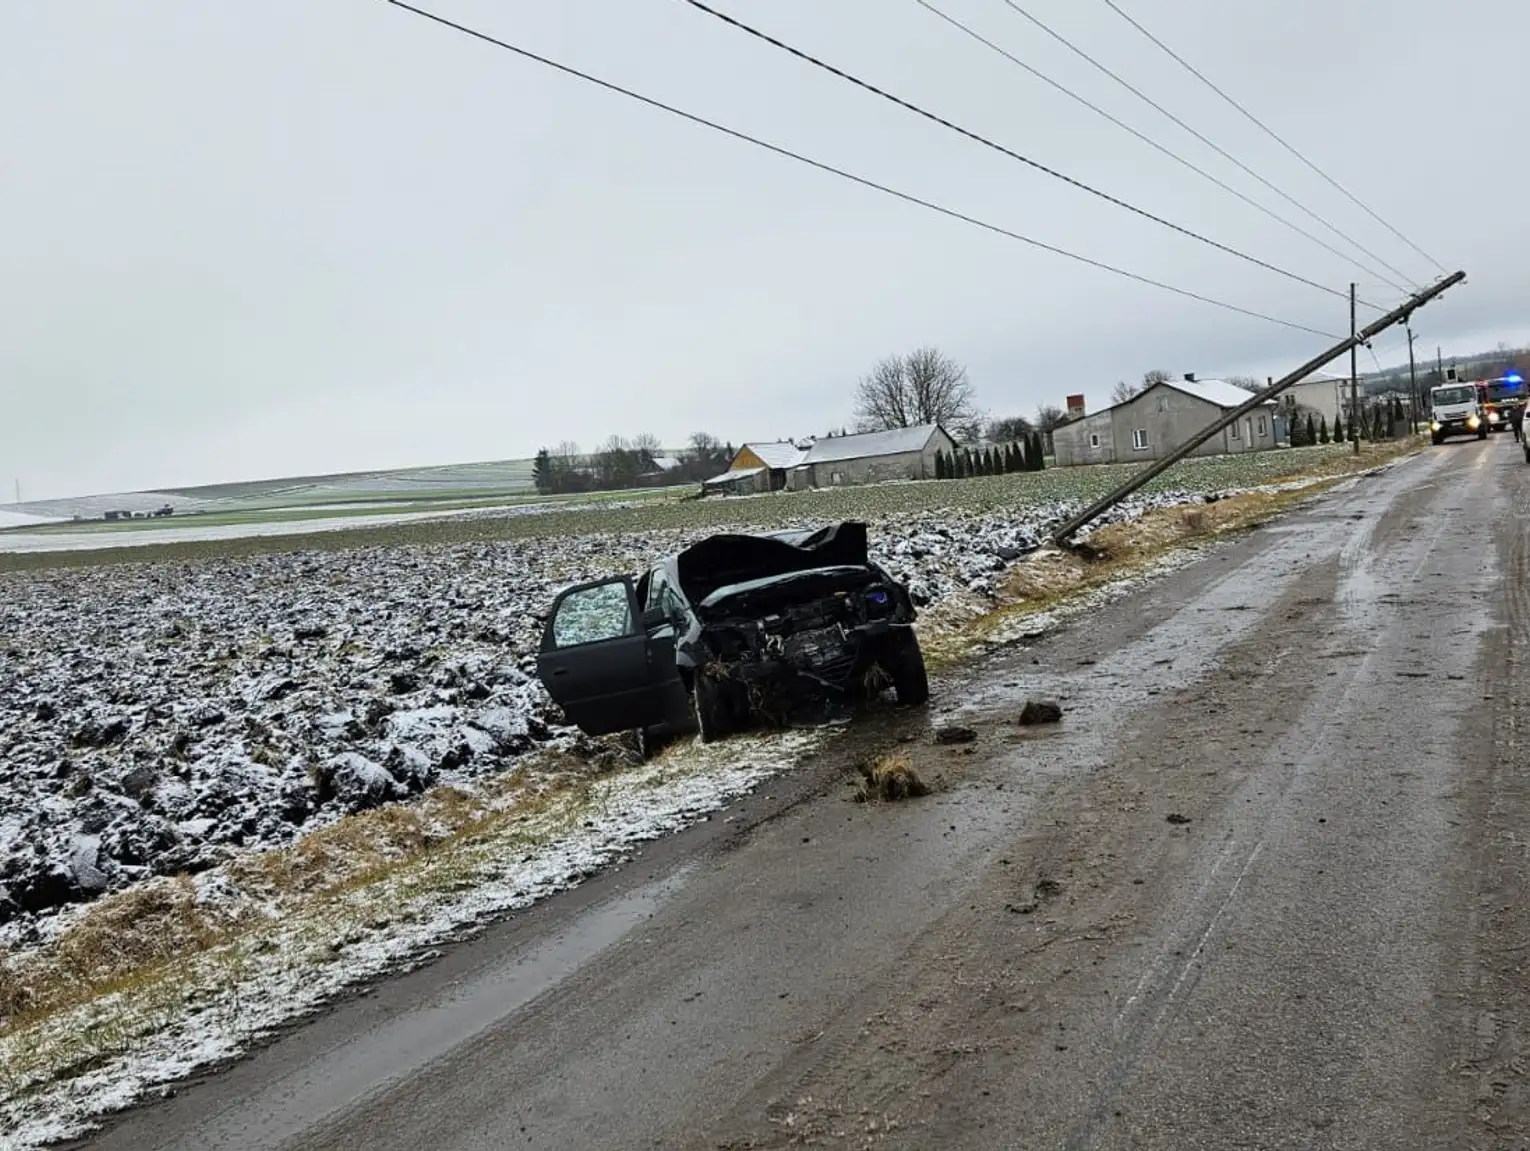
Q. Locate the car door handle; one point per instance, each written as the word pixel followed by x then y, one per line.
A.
pixel 557 671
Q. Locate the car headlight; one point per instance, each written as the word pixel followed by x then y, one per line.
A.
pixel 1472 422
pixel 1434 425
pixel 1492 417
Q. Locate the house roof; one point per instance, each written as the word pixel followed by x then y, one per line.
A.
pixel 730 477
pixel 779 455
pixel 858 447
pixel 1218 392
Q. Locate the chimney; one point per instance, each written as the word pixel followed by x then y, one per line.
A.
pixel 1076 407
pixel 1189 377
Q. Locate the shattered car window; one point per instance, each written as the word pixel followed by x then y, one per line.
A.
pixel 592 615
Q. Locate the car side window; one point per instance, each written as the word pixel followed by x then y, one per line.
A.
pixel 593 614
pixel 656 588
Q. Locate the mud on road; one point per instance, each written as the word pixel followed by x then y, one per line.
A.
pixel 1265 886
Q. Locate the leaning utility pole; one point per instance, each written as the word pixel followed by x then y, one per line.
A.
pixel 1147 474
pixel 1354 384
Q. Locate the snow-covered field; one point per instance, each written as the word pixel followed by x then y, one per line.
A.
pixel 10 519
pixel 171 717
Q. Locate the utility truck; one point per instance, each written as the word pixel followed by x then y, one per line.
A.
pixel 1457 410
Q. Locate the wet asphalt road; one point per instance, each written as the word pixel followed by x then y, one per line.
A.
pixel 1324 947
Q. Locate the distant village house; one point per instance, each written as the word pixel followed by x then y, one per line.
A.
pixel 1160 419
pixel 835 461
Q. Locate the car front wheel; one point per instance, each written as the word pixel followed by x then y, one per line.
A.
pixel 712 700
pixel 905 664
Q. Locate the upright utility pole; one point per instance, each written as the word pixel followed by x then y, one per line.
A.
pixel 1354 382
pixel 1412 372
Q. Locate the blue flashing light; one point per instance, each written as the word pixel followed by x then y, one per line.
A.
pixel 1514 378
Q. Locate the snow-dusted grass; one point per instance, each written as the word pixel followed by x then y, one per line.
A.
pixel 286 952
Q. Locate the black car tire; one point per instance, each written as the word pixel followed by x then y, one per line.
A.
pixel 905 664
pixel 1436 438
pixel 715 716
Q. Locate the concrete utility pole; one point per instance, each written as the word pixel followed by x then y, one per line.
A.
pixel 1412 372
pixel 1147 474
pixel 1354 383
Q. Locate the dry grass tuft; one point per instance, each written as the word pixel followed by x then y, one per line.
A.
pixel 121 937
pixel 890 778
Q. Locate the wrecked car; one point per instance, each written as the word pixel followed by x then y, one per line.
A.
pixel 733 630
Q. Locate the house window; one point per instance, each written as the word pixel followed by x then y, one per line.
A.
pixel 1261 425
pixel 1163 402
pixel 1139 440
pixel 1094 439
pixel 1233 431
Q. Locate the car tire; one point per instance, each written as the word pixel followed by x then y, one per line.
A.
pixel 715 717
pixel 1436 438
pixel 905 664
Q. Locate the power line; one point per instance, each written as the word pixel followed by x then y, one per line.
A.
pixel 906 197
pixel 1150 142
pixel 1013 155
pixel 1150 102
pixel 1271 133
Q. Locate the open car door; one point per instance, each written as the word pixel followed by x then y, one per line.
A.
pixel 599 664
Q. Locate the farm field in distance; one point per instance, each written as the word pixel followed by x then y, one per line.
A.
pixel 360 519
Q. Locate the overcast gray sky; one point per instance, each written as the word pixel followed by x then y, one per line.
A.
pixel 251 239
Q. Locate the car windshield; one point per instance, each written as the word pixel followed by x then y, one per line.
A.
pixel 1461 395
pixel 1506 390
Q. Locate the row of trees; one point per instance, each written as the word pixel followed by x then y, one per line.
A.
pixel 1379 421
pixel 621 463
pixel 1024 455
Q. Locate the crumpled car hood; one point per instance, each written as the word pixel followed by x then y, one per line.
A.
pixel 724 560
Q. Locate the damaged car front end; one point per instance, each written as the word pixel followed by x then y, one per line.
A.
pixel 738 629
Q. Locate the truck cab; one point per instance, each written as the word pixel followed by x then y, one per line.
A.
pixel 1457 410
pixel 1503 398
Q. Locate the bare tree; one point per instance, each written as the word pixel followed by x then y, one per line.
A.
pixel 1247 383
pixel 1009 429
pixel 1049 417
pixel 648 448
pixel 705 447
pixel 1155 376
pixel 1124 391
pixel 924 387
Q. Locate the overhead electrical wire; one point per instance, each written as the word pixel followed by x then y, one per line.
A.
pixel 865 182
pixel 1226 155
pixel 1150 142
pixel 1262 126
pixel 1012 154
